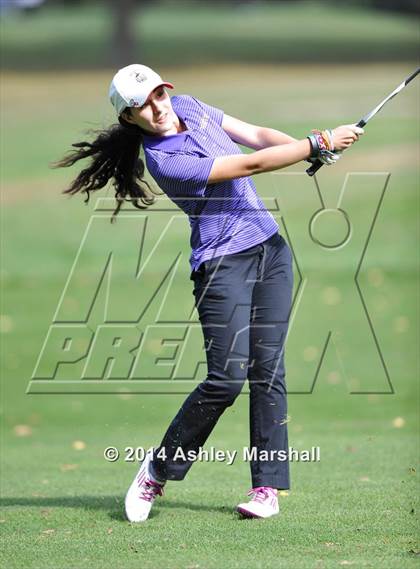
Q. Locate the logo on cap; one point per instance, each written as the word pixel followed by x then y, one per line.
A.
pixel 140 77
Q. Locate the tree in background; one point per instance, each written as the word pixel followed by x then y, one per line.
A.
pixel 123 41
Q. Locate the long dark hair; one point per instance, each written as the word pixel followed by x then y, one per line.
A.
pixel 114 155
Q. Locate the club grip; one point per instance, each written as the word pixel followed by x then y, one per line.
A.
pixel 314 168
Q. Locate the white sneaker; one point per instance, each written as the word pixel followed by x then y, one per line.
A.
pixel 142 492
pixel 263 504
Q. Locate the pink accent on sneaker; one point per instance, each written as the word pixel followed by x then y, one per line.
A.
pixel 261 493
pixel 150 490
pixel 263 504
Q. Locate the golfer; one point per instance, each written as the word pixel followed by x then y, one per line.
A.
pixel 241 267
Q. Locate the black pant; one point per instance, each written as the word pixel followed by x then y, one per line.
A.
pixel 243 301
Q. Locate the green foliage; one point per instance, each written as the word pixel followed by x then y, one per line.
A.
pixel 177 33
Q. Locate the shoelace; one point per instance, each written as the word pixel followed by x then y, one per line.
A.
pixel 151 490
pixel 261 493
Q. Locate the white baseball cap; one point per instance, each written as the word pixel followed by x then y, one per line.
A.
pixel 131 86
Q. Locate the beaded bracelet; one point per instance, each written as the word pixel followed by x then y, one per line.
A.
pixel 328 136
pixel 322 139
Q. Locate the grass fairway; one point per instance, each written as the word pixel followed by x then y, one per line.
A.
pixel 62 503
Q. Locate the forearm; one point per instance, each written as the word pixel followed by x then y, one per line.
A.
pixel 253 136
pixel 266 137
pixel 265 160
pixel 280 156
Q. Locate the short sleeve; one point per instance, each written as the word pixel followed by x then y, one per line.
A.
pixel 184 175
pixel 214 113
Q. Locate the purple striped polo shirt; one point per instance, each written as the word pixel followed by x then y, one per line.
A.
pixel 225 217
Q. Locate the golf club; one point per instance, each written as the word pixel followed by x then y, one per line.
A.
pixel 318 164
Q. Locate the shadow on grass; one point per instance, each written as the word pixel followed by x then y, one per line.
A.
pixel 114 505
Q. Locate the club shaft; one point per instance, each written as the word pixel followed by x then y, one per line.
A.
pixel 416 72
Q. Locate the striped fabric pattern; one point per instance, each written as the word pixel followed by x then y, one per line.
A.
pixel 226 217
